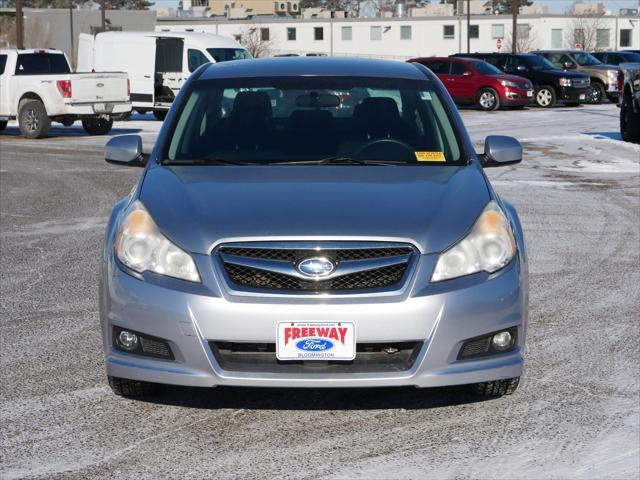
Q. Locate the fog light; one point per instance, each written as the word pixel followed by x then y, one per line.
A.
pixel 501 340
pixel 128 340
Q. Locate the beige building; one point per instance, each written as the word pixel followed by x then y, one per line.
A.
pixel 250 8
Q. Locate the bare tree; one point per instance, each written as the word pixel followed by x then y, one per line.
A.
pixel 583 30
pixel 524 43
pixel 257 40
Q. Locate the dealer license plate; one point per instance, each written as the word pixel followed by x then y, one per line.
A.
pixel 102 107
pixel 316 341
pixel 529 93
pixel 582 96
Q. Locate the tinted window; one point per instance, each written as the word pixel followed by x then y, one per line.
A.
pixel 586 59
pixel 499 62
pixel 629 57
pixel 438 66
pixel 293 119
pixel 41 64
pixel 195 59
pixel 458 68
pixel 535 62
pixel 3 62
pixel 485 68
pixel 226 54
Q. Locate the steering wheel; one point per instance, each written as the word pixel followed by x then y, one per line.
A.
pixel 385 149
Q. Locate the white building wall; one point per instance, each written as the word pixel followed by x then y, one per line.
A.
pixel 427 34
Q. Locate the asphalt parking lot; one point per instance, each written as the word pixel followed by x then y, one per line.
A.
pixel 576 414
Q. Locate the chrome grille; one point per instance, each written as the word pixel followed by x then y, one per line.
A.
pixel 581 82
pixel 357 267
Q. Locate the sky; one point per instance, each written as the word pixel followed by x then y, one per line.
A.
pixel 555 6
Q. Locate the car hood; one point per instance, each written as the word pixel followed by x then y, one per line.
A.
pixel 200 206
pixel 512 78
pixel 603 66
pixel 556 72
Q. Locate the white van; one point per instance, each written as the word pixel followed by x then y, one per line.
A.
pixel 158 63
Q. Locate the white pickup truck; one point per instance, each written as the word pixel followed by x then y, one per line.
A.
pixel 37 87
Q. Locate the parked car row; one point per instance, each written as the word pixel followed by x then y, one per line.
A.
pixel 544 78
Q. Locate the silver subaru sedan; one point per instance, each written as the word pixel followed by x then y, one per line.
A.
pixel 314 222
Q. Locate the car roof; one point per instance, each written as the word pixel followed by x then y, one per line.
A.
pixel 314 66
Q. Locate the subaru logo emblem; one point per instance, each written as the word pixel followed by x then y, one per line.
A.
pixel 316 267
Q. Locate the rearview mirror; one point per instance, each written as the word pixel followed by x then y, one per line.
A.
pixel 500 150
pixel 569 65
pixel 317 100
pixel 125 150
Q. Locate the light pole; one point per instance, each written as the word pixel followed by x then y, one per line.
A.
pixel 103 20
pixel 19 25
pixel 468 26
pixel 514 29
pixel 71 28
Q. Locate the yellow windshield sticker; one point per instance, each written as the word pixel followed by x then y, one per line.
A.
pixel 430 157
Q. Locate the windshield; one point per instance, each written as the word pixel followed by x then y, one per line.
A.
pixel 226 54
pixel 306 119
pixel 539 63
pixel 631 57
pixel 486 68
pixel 584 58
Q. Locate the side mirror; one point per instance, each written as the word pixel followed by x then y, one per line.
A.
pixel 499 151
pixel 569 65
pixel 125 150
pixel 467 74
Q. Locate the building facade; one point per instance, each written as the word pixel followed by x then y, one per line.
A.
pixel 406 37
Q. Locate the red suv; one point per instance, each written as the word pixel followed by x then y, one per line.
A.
pixel 472 81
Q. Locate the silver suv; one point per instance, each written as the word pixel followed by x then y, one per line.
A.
pixel 314 222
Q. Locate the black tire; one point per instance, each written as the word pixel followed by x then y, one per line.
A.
pixel 497 388
pixel 160 114
pixel 629 121
pixel 67 122
pixel 545 96
pixel 488 99
pixel 123 387
pixel 142 112
pixel 32 119
pixel 3 125
pixel 597 93
pixel 97 125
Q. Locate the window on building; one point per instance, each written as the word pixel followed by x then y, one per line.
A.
pixel 556 38
pixel 448 31
pixel 625 37
pixel 347 34
pixel 375 33
pixel 318 33
pixel 497 31
pixel 291 34
pixel 524 30
pixel 578 35
pixel 474 31
pixel 264 34
pixel 602 38
pixel 405 32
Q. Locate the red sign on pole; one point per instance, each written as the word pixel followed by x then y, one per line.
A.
pixel 578 46
pixel 499 43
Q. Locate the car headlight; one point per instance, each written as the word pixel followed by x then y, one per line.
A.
pixel 488 247
pixel 565 82
pixel 143 248
pixel 507 83
pixel 613 76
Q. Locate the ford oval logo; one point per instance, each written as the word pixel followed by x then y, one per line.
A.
pixel 99 85
pixel 314 345
pixel 316 267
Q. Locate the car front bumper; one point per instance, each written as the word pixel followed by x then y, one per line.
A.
pixel 188 318
pixel 517 97
pixel 573 94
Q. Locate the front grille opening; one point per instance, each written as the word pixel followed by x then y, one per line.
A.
pixel 370 358
pixel 256 278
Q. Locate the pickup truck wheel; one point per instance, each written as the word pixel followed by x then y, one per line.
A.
pixel 545 97
pixel 97 126
pixel 497 388
pixel 123 387
pixel 488 99
pixel 32 119
pixel 160 114
pixel 3 125
pixel 629 121
pixel 597 93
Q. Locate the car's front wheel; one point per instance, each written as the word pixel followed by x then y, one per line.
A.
pixel 597 93
pixel 124 387
pixel 496 388
pixel 629 121
pixel 488 99
pixel 545 97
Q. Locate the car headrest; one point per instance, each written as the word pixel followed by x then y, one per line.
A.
pixel 252 104
pixel 376 116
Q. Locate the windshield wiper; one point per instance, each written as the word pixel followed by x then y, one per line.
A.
pixel 210 161
pixel 340 161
